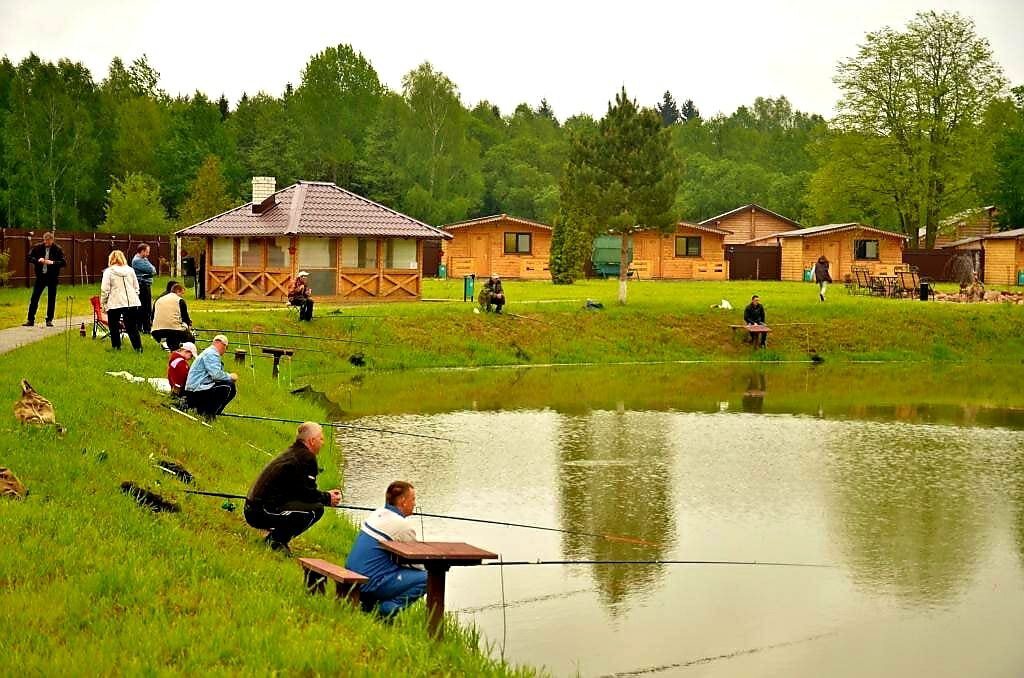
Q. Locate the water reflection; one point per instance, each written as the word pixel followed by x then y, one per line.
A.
pixel 757 387
pixel 907 510
pixel 615 480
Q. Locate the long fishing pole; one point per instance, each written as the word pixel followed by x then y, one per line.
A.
pixel 610 537
pixel 663 562
pixel 337 425
pixel 282 334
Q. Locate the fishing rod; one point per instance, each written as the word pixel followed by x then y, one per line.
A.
pixel 336 425
pixel 610 537
pixel 662 562
pixel 282 334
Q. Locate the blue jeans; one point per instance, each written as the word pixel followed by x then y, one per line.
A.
pixel 396 592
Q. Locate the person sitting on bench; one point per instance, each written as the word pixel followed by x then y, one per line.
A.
pixel 300 295
pixel 285 499
pixel 492 294
pixel 171 322
pixel 753 314
pixel 391 587
pixel 210 388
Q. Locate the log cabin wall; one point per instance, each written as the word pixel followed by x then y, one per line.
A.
pixel 1003 258
pixel 801 253
pixel 480 250
pixel 655 255
pixel 750 224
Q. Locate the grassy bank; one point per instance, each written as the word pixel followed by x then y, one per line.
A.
pixel 94 584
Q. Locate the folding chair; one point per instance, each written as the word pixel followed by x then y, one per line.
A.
pixel 100 326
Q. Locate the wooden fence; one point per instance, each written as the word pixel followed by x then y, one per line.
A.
pixel 86 253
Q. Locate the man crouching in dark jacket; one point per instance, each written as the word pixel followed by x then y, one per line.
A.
pixel 285 499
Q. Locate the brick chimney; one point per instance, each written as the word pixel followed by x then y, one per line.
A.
pixel 262 188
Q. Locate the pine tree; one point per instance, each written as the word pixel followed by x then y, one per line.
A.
pixel 668 110
pixel 688 111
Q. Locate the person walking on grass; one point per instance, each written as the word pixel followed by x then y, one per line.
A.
pixel 822 276
pixel 144 271
pixel 391 587
pixel 48 259
pixel 210 387
pixel 119 299
pixel 285 499
pixel 753 314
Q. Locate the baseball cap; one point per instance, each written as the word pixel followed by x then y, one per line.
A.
pixel 190 347
pixel 302 274
pixel 221 338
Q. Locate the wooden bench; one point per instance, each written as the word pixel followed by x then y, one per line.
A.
pixel 316 573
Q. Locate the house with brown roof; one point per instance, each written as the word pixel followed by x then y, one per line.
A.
pixel 690 252
pixel 953 231
pixel 844 245
pixel 1004 257
pixel 750 222
pixel 512 247
pixel 353 248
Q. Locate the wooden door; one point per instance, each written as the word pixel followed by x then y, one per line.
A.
pixel 480 250
pixel 831 252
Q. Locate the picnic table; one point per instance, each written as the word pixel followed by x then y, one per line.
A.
pixel 436 557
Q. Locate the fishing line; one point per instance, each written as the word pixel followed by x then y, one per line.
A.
pixel 338 425
pixel 504 619
pixel 207 425
pixel 663 562
pixel 283 334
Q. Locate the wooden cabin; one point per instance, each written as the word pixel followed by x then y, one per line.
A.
pixel 844 245
pixel 973 223
pixel 353 248
pixel 751 223
pixel 691 252
pixel 512 247
pixel 1004 257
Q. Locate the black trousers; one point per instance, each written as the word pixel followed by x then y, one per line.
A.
pixel 49 283
pixel 175 338
pixel 129 316
pixel 284 522
pixel 213 400
pixel 763 338
pixel 305 308
pixel 146 311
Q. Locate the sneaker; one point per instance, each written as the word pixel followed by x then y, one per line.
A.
pixel 49 323
pixel 277 546
pixel 28 324
pixel 822 297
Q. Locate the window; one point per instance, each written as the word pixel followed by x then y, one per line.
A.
pixel 223 254
pixel 278 255
pixel 319 256
pixel 687 246
pixel 358 253
pixel 518 243
pixel 865 249
pixel 250 253
pixel 400 253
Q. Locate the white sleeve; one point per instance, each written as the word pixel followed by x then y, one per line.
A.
pixel 105 290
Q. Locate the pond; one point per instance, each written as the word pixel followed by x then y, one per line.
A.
pixel 907 480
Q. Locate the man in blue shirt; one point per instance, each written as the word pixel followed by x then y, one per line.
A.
pixel 209 387
pixel 391 587
pixel 144 272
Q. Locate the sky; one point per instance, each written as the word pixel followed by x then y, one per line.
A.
pixel 577 55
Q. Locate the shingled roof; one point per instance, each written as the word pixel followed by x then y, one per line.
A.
pixel 750 206
pixel 827 228
pixel 314 208
pixel 496 219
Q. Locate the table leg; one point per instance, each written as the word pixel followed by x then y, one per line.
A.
pixel 435 601
pixel 277 362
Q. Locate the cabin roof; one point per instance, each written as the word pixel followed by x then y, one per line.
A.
pixel 750 206
pixel 812 231
pixel 495 219
pixel 314 208
pixel 1002 235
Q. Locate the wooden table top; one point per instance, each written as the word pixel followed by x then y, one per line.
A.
pixel 454 553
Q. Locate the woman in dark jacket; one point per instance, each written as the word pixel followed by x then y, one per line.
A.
pixel 822 276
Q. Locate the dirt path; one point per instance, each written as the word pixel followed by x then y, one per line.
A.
pixel 13 337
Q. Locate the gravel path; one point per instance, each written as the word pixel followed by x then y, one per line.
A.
pixel 13 337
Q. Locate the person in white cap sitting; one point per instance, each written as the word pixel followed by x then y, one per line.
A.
pixel 300 295
pixel 492 294
pixel 209 387
pixel 177 368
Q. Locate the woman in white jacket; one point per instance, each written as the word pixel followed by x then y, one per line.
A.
pixel 119 298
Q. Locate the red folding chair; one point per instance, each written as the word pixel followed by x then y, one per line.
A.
pixel 100 326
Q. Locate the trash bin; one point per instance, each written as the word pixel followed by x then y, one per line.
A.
pixel 1020 277
pixel 468 282
pixel 925 290
pixel 807 274
pixel 442 271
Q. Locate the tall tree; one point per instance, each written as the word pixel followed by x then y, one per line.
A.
pixel 334 107
pixel 1009 160
pixel 207 194
pixel 266 138
pixel 631 172
pixel 688 111
pixel 50 149
pixel 134 207
pixel 668 109
pixel 922 92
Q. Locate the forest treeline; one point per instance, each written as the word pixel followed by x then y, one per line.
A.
pixel 118 153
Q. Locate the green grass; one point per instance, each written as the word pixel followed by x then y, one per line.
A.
pixel 94 584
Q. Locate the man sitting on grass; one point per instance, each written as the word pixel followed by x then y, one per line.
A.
pixel 210 388
pixel 284 499
pixel 392 587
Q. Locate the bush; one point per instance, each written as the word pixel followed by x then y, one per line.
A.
pixel 5 272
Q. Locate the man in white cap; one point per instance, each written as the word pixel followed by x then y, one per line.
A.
pixel 177 368
pixel 209 388
pixel 300 295
pixel 493 293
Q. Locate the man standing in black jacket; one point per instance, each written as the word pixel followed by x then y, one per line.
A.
pixel 285 499
pixel 48 259
pixel 753 314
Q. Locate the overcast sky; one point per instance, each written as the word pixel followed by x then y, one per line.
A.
pixel 720 53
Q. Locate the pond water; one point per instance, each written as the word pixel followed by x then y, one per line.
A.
pixel 908 480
